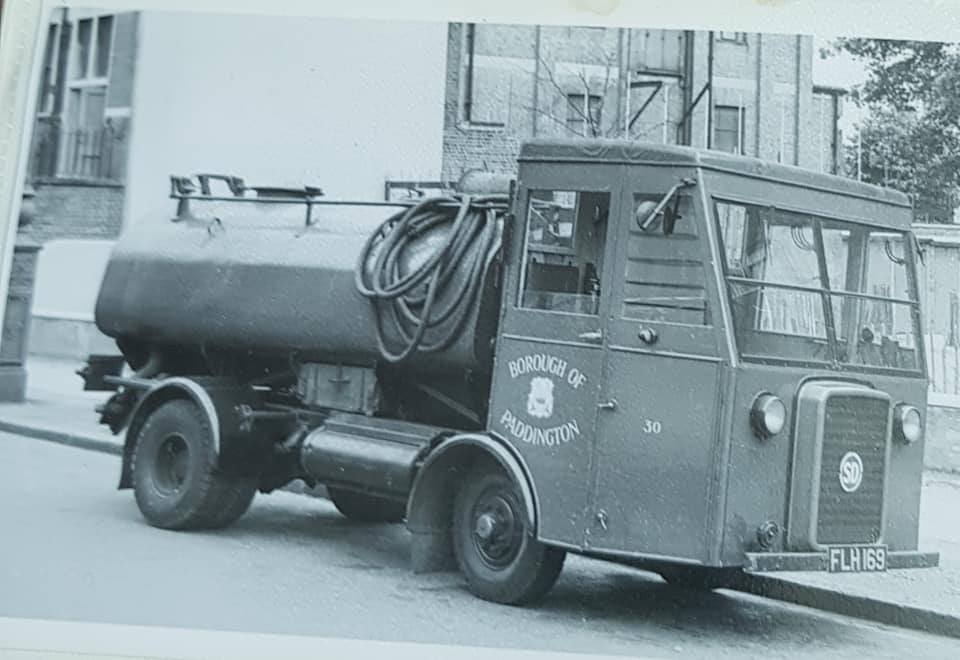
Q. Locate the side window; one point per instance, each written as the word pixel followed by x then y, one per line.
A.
pixel 566 237
pixel 664 279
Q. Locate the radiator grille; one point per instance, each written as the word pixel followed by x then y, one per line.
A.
pixel 852 424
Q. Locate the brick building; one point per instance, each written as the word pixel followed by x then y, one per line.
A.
pixel 748 93
pixel 734 91
pixel 464 96
pixel 78 167
pixel 82 125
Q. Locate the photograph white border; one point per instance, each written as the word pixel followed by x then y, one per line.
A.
pixel 932 20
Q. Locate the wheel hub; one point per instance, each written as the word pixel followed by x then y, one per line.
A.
pixel 486 526
pixel 497 534
pixel 171 464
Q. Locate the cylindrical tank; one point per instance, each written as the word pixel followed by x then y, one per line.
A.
pixel 252 275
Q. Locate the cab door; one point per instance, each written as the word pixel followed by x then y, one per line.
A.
pixel 549 357
pixel 658 405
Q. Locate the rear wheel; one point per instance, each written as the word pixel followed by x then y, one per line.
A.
pixel 175 478
pixel 366 508
pixel 494 545
pixel 234 502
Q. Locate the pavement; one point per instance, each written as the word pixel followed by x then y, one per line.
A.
pixel 924 599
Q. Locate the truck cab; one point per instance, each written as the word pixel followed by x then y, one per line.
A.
pixel 712 360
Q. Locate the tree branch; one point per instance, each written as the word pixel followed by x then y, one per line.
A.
pixel 593 123
pixel 553 118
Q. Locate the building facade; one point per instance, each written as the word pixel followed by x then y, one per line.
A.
pixel 82 127
pixel 739 92
pixel 77 167
pixel 119 109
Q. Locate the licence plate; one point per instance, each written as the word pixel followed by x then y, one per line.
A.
pixel 857 558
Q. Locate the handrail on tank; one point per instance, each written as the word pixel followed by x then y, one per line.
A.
pixel 183 189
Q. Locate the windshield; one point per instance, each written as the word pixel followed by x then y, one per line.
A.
pixel 811 289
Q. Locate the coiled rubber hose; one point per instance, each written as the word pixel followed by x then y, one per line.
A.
pixel 406 301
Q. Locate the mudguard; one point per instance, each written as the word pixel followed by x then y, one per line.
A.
pixel 217 399
pixel 430 505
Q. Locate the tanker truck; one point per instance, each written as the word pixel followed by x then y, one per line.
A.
pixel 695 363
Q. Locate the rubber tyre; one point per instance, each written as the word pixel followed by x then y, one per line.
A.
pixel 234 502
pixel 198 497
pixel 367 508
pixel 533 569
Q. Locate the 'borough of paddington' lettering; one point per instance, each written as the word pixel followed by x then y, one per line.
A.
pixel 546 364
pixel 540 437
pixel 542 367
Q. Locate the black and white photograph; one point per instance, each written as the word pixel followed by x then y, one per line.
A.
pixel 456 336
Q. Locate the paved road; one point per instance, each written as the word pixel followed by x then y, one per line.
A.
pixel 74 548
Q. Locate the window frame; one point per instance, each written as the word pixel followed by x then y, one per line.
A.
pixel 89 70
pixel 572 252
pixel 46 99
pixel 826 291
pixel 467 81
pixel 693 231
pixel 736 38
pixel 719 108
pixel 79 88
pixel 585 100
pixel 88 81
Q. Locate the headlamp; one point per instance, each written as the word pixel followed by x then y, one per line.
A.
pixel 907 422
pixel 768 415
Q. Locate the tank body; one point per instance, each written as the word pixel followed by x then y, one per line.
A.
pixel 252 276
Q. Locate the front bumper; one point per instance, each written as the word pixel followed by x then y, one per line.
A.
pixel 768 562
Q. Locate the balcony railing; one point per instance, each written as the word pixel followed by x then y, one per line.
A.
pixel 88 154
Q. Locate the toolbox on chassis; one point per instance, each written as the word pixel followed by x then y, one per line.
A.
pixel 687 361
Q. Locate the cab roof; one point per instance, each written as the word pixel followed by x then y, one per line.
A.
pixel 641 153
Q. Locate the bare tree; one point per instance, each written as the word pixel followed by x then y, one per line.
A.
pixel 591 118
pixel 576 101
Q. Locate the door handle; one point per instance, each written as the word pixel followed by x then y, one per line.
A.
pixel 594 337
pixel 603 519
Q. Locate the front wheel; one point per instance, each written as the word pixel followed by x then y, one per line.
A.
pixel 494 545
